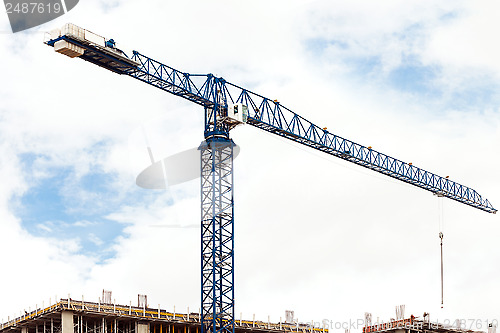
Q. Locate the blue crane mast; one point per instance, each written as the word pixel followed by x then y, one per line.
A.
pixel 227 105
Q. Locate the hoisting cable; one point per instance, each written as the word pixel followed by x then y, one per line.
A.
pixel 441 223
pixel 441 237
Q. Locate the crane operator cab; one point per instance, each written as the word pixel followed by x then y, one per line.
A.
pixel 237 114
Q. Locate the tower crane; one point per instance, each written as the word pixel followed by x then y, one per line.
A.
pixel 225 106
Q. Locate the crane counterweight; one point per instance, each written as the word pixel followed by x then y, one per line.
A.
pixel 69 49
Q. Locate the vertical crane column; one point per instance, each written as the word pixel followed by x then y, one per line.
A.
pixel 217 236
pixel 217 208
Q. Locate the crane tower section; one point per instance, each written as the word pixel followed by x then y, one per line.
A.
pixel 217 242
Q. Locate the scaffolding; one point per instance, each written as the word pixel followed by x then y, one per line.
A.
pixel 73 316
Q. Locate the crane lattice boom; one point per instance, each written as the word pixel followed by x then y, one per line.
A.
pixel 271 116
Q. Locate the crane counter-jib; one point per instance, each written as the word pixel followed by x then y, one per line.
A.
pixel 74 41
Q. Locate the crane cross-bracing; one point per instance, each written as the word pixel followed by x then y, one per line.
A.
pixel 227 105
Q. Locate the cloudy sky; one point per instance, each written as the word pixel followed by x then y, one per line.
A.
pixel 417 80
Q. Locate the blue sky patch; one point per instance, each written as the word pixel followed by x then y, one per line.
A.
pixel 425 82
pixel 414 78
pixel 485 95
pixel 319 45
pixel 62 206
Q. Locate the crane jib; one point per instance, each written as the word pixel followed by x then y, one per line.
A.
pixel 266 114
pixel 391 167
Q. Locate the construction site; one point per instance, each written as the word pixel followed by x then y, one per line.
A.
pixel 79 316
pixel 225 106
pixel 414 325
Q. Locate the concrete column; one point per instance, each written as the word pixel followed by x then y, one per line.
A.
pixel 24 330
pixel 67 322
pixel 141 327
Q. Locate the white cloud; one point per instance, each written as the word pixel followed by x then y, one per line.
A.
pixel 83 223
pixel 469 40
pixel 44 227
pixel 95 239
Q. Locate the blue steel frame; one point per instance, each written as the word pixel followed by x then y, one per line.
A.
pixel 271 116
pixel 217 242
pixel 217 217
pixel 217 204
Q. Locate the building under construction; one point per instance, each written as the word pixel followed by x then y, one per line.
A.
pixel 415 325
pixel 78 316
pixel 73 316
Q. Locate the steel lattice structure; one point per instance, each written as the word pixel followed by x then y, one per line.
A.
pixel 275 118
pixel 217 243
pixel 214 94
